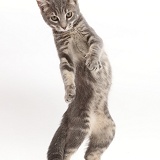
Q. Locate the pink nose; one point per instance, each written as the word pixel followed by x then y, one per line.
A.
pixel 64 27
pixel 63 24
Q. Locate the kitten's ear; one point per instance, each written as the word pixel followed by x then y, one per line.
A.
pixel 43 4
pixel 72 2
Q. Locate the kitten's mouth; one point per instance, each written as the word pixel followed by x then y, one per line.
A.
pixel 64 29
pixel 61 29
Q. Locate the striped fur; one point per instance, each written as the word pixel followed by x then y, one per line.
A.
pixel 86 74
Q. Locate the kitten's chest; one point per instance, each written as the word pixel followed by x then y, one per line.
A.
pixel 78 45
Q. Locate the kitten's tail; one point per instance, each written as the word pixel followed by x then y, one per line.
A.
pixel 57 145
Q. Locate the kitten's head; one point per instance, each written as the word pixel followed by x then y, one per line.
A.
pixel 59 14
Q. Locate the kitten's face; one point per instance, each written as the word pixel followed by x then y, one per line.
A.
pixel 59 14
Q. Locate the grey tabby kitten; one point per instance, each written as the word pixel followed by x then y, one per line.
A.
pixel 86 74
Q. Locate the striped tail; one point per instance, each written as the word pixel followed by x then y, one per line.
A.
pixel 57 145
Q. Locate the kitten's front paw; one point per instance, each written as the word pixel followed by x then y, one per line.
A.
pixel 92 63
pixel 70 93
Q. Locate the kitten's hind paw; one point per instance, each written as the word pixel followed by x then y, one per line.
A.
pixel 70 93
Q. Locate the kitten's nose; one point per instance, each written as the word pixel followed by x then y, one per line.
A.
pixel 63 24
pixel 64 27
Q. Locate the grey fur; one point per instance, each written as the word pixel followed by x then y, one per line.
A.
pixel 86 74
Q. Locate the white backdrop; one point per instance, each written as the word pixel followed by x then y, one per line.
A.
pixel 31 89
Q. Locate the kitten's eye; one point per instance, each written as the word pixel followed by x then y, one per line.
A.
pixel 54 18
pixel 69 15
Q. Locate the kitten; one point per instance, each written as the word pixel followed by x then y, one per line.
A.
pixel 86 74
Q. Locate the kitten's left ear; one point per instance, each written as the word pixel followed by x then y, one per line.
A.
pixel 72 2
pixel 43 4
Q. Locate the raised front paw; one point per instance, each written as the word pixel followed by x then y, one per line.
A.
pixel 92 63
pixel 70 93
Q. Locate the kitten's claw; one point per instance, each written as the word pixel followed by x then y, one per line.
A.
pixel 70 93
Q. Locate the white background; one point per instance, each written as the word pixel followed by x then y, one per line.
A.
pixel 31 89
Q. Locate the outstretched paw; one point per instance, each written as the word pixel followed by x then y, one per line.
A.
pixel 92 63
pixel 70 93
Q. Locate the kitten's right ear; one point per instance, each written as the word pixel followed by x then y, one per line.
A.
pixel 43 4
pixel 73 2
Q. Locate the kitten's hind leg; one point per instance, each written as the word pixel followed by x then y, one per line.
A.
pixel 75 136
pixel 101 137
